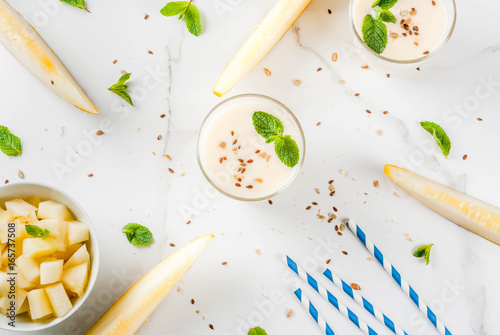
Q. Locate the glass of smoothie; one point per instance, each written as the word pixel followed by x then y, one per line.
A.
pixel 236 160
pixel 422 28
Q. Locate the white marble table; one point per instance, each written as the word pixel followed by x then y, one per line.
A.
pixel 131 181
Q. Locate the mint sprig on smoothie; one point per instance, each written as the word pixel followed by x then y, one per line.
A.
pixel 374 29
pixel 271 128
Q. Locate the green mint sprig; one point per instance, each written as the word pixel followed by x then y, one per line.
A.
pixel 10 144
pixel 374 30
pixel 36 231
pixel 76 3
pixel 424 251
pixel 271 128
pixel 257 331
pixel 440 136
pixel 138 234
pixel 187 11
pixel 121 89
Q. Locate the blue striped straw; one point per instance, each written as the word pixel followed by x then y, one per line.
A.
pixel 410 292
pixel 322 324
pixel 330 297
pixel 363 302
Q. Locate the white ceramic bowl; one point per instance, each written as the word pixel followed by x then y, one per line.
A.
pixel 45 192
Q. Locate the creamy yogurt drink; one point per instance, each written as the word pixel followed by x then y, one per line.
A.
pixel 422 26
pixel 235 159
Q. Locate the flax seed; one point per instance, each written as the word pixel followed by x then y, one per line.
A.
pixel 342 227
pixel 232 133
pixel 99 132
pixel 328 261
pixel 339 233
pixel 268 73
pixel 224 263
pixel 388 75
pixel 356 94
pixel 257 151
pixel 114 62
pixel 336 228
pixel 270 201
pixel 375 183
pixel 170 170
pixel 221 160
pixel 308 208
pixel 249 187
pixel 243 170
pixel 259 180
pixel 297 82
pixel 426 52
pixel 355 286
pixel 235 141
pixel 465 157
pixel 289 313
pixel 237 185
pixel 334 57
pixel 314 203
pixel 335 209
pixel 344 252
pixel 250 161
pixel 368 111
pixel 172 245
pixel 364 66
pixel 330 182
pixel 211 326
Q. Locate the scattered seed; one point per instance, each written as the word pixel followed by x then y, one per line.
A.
pixel 160 137
pixel 342 227
pixel 388 75
pixel 356 94
pixel 375 183
pixel 150 52
pixel 330 182
pixel 221 160
pixel 433 3
pixel 413 11
pixel 249 187
pixel 268 73
pixel 172 245
pixel 115 61
pixel 328 261
pixel 336 228
pixel 330 220
pixel 368 111
pixel 168 157
pixel 289 313
pixel 344 252
pixel 418 68
pixel 257 251
pixel 99 132
pixel 355 286
pixel 6 181
pixel 235 141
pixel 90 175
pixel 270 201
pixel 224 263
pixel 426 52
pixel 257 151
pixel 162 116
pixel 335 209
pixel 297 82
pixel 192 301
pixel 329 11
pixel 308 208
pixel 319 69
pixel 339 233
pixel 146 16
pixel 465 157
pixel 20 174
pixel 170 170
pixel 232 133
pixel 379 132
pixel 394 35
pixel 314 203
pixel 386 112
pixel 364 66
pixel 250 161
pixel 403 13
pixel 332 193
pixel 259 180
pixel 211 326
pixel 189 222
pixel 317 190
pixel 479 119
pixel 331 188
pixel 334 57
pixel 318 124
pixel 237 185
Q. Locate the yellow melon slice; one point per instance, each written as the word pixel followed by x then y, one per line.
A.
pixel 261 41
pixel 130 312
pixel 466 211
pixel 22 40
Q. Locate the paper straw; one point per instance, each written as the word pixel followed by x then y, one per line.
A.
pixel 407 289
pixel 330 297
pixel 322 324
pixel 363 302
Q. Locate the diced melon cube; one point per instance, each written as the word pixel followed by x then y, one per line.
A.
pixel 24 307
pixel 39 304
pixel 77 232
pixel 21 281
pixel 31 218
pixel 70 250
pixel 50 272
pixel 52 210
pixel 36 247
pixel 4 284
pixel 79 257
pixel 19 207
pixel 75 279
pixel 5 216
pixel 20 297
pixel 58 299
pixel 28 267
pixel 58 231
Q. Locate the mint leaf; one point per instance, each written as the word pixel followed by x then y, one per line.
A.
pixel 76 3
pixel 10 144
pixel 267 125
pixel 287 150
pixel 121 89
pixel 257 331
pixel 174 8
pixel 138 234
pixel 375 4
pixel 374 33
pixel 424 251
pixel 439 135
pixel 193 20
pixel 36 231
pixel 187 11
pixel 385 15
pixel 271 128
pixel 385 4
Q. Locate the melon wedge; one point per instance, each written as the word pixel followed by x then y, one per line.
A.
pixel 130 312
pixel 22 40
pixel 261 41
pixel 475 215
